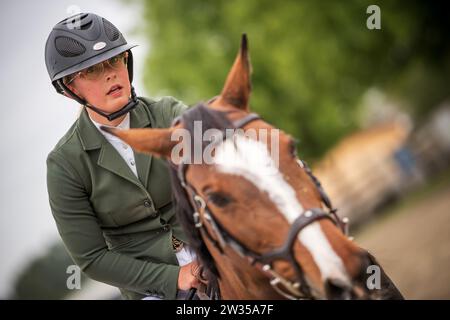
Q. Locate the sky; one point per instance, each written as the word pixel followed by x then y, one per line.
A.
pixel 35 117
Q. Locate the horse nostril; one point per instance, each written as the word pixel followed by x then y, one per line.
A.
pixel 337 289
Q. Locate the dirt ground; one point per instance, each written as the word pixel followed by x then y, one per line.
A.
pixel 412 244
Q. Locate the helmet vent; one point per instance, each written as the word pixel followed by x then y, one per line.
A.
pixel 68 47
pixel 86 25
pixel 111 31
pixel 77 22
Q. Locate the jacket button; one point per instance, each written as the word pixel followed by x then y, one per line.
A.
pixel 166 228
pixel 147 203
pixel 154 215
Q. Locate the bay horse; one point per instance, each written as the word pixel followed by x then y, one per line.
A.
pixel 262 229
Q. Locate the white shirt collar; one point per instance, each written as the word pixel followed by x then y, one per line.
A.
pixel 125 124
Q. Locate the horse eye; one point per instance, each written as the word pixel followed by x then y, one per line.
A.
pixel 219 199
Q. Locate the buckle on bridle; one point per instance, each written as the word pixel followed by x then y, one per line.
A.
pixel 197 221
pixel 199 205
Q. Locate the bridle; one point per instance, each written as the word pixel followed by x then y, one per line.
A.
pixel 293 290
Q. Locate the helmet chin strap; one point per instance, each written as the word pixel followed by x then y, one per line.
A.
pixel 131 104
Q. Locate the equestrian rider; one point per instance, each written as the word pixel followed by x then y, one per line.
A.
pixel 113 207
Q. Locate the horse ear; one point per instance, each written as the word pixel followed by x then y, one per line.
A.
pixel 152 141
pixel 237 88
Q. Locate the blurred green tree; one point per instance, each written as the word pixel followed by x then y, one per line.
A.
pixel 45 277
pixel 312 60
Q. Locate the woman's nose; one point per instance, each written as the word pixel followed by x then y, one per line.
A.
pixel 110 73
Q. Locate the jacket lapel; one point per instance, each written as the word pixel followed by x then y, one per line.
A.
pixel 109 158
pixel 141 118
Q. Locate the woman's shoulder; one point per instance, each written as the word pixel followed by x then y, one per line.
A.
pixel 157 102
pixel 164 109
pixel 68 144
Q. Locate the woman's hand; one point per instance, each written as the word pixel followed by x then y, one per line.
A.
pixel 187 277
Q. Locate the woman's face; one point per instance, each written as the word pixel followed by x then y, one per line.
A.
pixel 109 92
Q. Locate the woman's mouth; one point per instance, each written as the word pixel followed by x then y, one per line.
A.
pixel 115 91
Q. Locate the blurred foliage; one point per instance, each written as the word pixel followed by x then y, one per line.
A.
pixel 312 60
pixel 45 277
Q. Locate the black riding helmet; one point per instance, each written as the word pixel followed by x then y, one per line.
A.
pixel 79 42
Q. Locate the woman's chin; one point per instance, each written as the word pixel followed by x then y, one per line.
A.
pixel 118 103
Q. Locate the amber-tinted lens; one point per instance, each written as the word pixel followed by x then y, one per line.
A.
pixel 117 61
pixel 94 72
pixel 114 62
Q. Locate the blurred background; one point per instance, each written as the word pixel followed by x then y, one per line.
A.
pixel 370 108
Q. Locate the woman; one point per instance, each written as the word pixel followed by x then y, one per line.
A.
pixel 112 207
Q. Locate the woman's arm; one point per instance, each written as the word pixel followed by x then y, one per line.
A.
pixel 77 224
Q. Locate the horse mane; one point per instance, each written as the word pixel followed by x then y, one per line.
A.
pixel 210 119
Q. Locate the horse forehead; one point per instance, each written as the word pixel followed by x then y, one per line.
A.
pixel 251 160
pixel 241 152
pixel 244 154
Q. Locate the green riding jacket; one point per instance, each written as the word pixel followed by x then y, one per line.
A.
pixel 117 227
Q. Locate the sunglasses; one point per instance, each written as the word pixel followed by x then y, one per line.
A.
pixel 96 71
